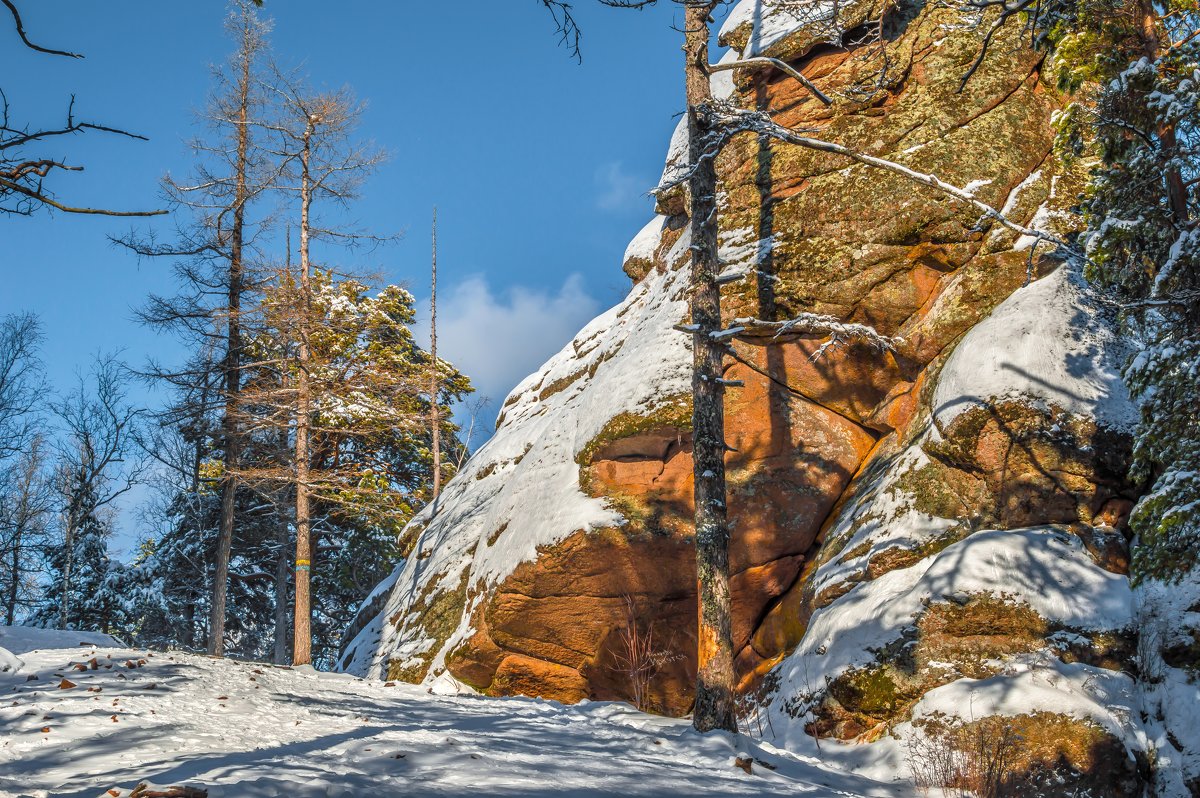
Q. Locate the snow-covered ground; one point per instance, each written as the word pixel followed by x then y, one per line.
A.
pixel 248 730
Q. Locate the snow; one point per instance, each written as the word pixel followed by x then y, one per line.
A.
pixel 1050 343
pixel 23 639
pixel 772 21
pixel 722 82
pixel 1043 567
pixel 525 480
pixel 884 518
pixel 248 730
pixel 1168 613
pixel 677 154
pixel 1035 684
pixel 1014 196
pixel 9 662
pixel 1043 221
pixel 646 242
pixel 974 186
pixel 741 250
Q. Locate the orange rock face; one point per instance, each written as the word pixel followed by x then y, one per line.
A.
pixel 598 611
pixel 793 460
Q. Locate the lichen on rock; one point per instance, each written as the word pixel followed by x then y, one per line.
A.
pixel 946 519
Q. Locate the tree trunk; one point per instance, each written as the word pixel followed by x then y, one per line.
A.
pixel 302 640
pixel 1173 179
pixel 714 708
pixel 10 609
pixel 189 626
pixel 232 364
pixel 280 654
pixel 435 419
pixel 68 551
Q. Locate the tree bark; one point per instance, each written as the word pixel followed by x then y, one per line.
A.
pixel 1172 178
pixel 232 365
pixel 280 653
pixel 10 609
pixel 68 552
pixel 435 419
pixel 714 707
pixel 302 624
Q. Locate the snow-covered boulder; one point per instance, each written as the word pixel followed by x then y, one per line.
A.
pixel 22 639
pixel 10 664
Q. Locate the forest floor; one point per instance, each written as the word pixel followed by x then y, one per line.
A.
pixel 98 720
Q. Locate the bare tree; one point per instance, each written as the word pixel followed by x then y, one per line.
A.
pixel 23 174
pixel 23 493
pixel 215 252
pixel 98 457
pixel 26 506
pixel 22 386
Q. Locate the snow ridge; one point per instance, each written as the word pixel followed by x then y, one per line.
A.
pixel 1049 343
pixel 483 528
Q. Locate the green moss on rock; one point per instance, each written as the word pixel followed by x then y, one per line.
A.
pixel 672 412
pixel 439 613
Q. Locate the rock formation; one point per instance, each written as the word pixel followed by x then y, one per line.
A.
pixel 910 529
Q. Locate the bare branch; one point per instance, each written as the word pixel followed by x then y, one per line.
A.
pixel 16 15
pixel 809 324
pixel 780 65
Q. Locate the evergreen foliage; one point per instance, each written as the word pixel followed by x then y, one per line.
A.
pixel 1136 66
pixel 82 577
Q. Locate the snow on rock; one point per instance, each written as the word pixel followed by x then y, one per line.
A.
pixel 639 256
pixel 645 243
pixel 1048 343
pixel 677 150
pixel 1046 569
pixel 248 730
pixel 530 462
pixel 1109 698
pixel 785 29
pixel 22 639
pixel 10 664
pixel 723 88
pixel 889 560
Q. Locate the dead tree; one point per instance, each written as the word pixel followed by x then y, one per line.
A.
pixel 711 124
pixel 215 253
pixel 98 457
pixel 435 382
pixel 714 704
pixel 24 174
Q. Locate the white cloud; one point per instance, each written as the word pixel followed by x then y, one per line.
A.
pixel 499 338
pixel 619 190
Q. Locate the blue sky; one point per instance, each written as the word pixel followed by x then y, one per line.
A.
pixel 538 165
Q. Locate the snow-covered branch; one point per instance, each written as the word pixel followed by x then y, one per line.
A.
pixel 782 66
pixel 838 332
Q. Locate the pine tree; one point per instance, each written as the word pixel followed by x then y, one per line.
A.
pixel 369 457
pixel 1135 68
pixel 81 588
